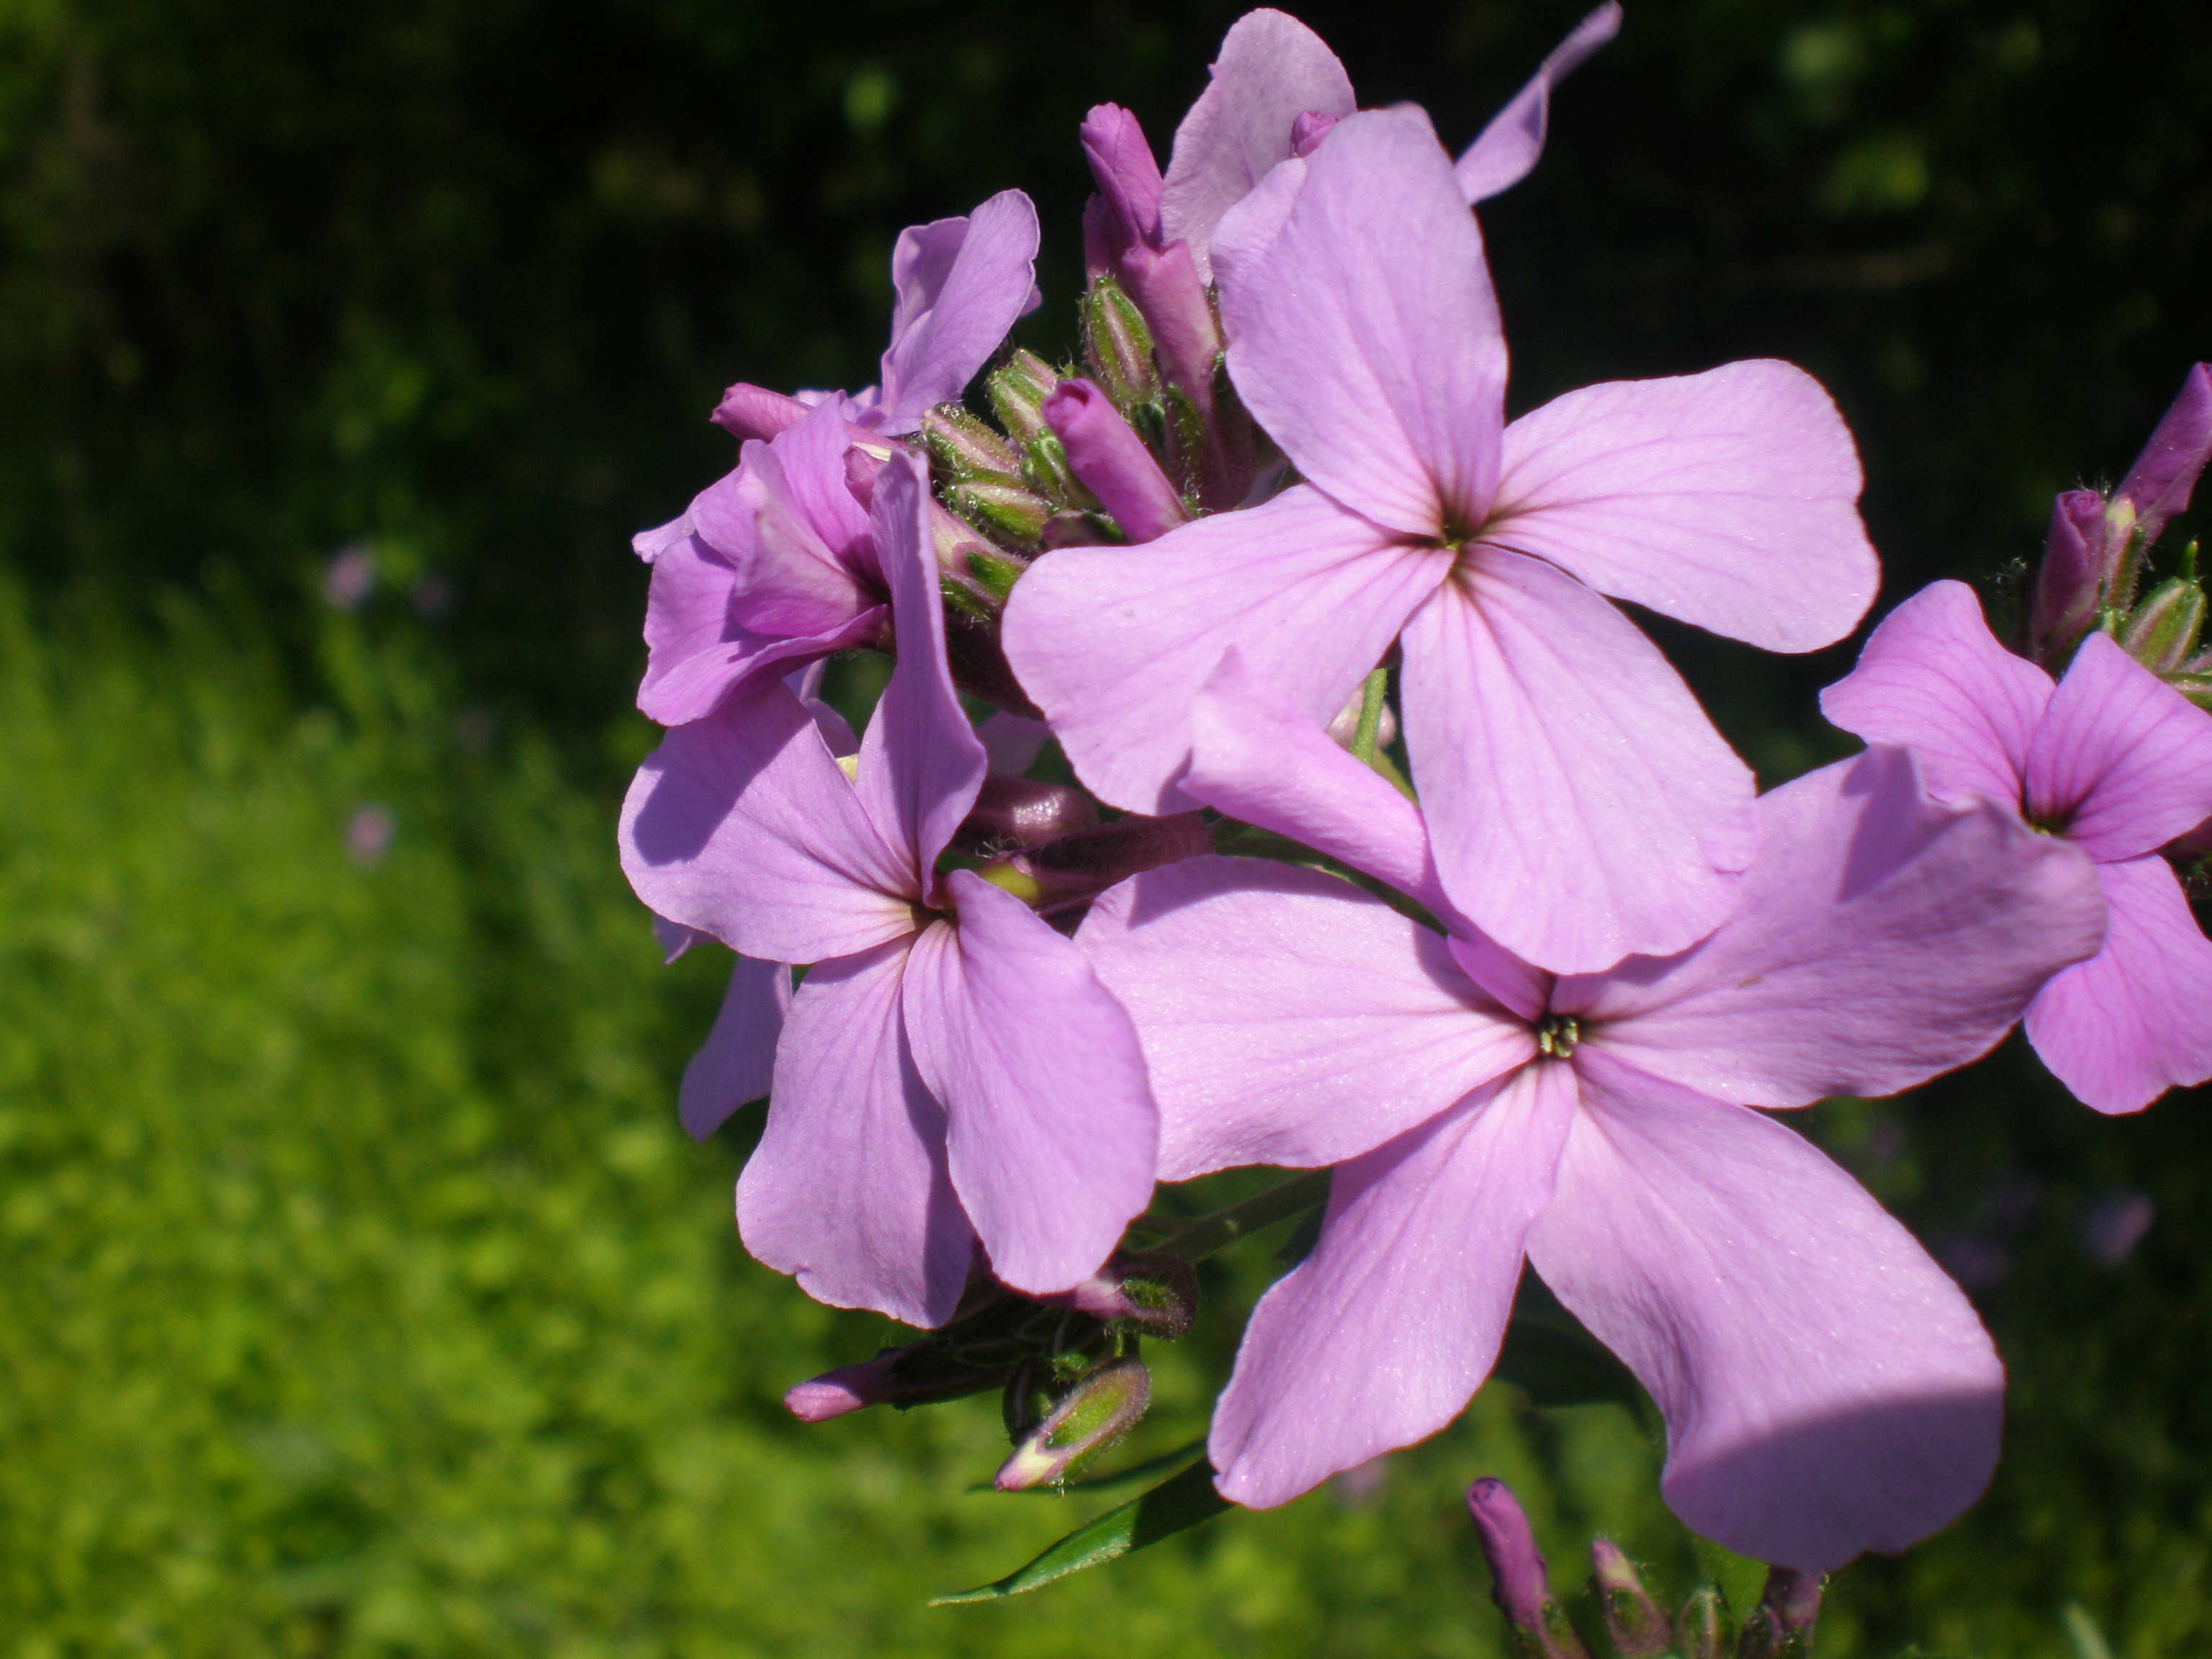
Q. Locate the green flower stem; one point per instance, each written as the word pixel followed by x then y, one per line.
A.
pixel 1209 1235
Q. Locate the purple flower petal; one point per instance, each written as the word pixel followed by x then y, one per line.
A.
pixel 1112 461
pixel 920 761
pixel 1503 154
pixel 847 1190
pixel 1259 760
pixel 1272 70
pixel 1934 678
pixel 2121 761
pixel 2136 1019
pixel 1248 230
pixel 1052 1133
pixel 2158 485
pixel 1727 499
pixel 1365 337
pixel 1382 1335
pixel 1287 1017
pixel 1826 1389
pixel 1581 804
pixel 1881 939
pixel 742 825
pixel 1113 643
pixel 735 1063
pixel 961 285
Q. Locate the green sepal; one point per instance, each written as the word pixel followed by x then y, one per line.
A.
pixel 1173 1506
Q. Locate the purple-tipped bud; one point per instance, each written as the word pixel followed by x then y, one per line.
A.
pixel 1309 129
pixel 2071 585
pixel 2163 629
pixel 1157 1293
pixel 754 411
pixel 964 448
pixel 1113 462
pixel 1077 867
pixel 1017 391
pixel 920 1374
pixel 977 574
pixel 1633 1623
pixel 1020 812
pixel 2157 487
pixel 1095 1414
pixel 1128 179
pixel 1701 1629
pixel 1118 345
pixel 1516 1574
pixel 833 1393
pixel 1781 1625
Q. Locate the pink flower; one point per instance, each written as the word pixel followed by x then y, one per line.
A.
pixel 2109 760
pixel 951 1070
pixel 1826 1389
pixel 1592 810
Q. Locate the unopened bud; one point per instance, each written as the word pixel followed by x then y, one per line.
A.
pixel 1011 513
pixel 1047 469
pixel 964 448
pixel 1079 867
pixel 1021 812
pixel 2163 629
pixel 1344 730
pixel 1701 1628
pixel 2157 486
pixel 1158 1294
pixel 1309 129
pixel 1118 345
pixel 1112 461
pixel 2070 584
pixel 754 411
pixel 1633 1623
pixel 1073 529
pixel 1018 392
pixel 920 1374
pixel 1781 1625
pixel 1524 1595
pixel 1095 1414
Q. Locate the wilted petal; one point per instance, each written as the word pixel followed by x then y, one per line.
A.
pixel 1257 759
pixel 734 1064
pixel 1727 499
pixel 1379 1337
pixel 1287 1017
pixel 1113 643
pixel 1272 69
pixel 921 762
pixel 2121 762
pixel 1505 150
pixel 2136 1019
pixel 1581 804
pixel 1826 1389
pixel 1880 939
pixel 847 1190
pixel 1051 1130
pixel 1365 337
pixel 1934 678
pixel 2158 485
pixel 961 284
pixel 742 825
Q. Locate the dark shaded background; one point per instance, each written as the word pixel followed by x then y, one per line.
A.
pixel 460 282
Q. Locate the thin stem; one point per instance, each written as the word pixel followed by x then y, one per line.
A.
pixel 1371 693
pixel 1211 1234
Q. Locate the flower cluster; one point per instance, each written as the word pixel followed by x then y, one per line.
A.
pixel 1400 852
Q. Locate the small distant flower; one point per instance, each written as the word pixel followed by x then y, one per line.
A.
pixel 2115 1224
pixel 349 578
pixel 432 596
pixel 2109 760
pixel 368 835
pixel 1826 1389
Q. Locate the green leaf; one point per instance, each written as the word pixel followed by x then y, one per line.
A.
pixel 1171 1507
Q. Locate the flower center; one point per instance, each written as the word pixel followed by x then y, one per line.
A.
pixel 1557 1035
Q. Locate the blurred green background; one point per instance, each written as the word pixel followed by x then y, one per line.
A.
pixel 358 1292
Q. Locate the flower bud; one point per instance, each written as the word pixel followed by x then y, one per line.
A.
pixel 1309 129
pixel 1092 1415
pixel 1113 462
pixel 2071 585
pixel 1073 529
pixel 2157 486
pixel 1128 176
pixel 1080 866
pixel 962 448
pixel 1118 346
pixel 2164 628
pixel 1018 392
pixel 754 411
pixel 1157 1293
pixel 1701 1630
pixel 977 575
pixel 1047 469
pixel 1345 728
pixel 920 1374
pixel 1011 514
pixel 1020 812
pixel 1633 1623
pixel 1781 1625
pixel 1539 1626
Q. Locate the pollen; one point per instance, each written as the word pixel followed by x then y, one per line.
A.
pixel 1557 1035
